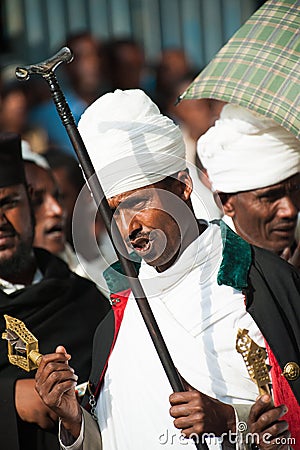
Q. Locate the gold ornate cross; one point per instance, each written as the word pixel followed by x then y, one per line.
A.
pixel 23 347
pixel 255 360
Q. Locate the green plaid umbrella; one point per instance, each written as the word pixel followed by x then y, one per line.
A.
pixel 259 66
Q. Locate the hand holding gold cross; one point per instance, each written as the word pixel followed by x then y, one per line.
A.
pixel 23 348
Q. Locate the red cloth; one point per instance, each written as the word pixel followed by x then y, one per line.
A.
pixel 119 302
pixel 283 394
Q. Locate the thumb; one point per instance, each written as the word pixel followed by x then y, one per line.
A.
pixel 61 349
pixel 263 403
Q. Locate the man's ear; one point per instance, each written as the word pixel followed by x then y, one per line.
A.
pixel 228 202
pixel 185 185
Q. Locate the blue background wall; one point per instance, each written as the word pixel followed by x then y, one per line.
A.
pixel 32 30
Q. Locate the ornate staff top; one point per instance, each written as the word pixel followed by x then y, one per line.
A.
pixel 255 360
pixel 23 347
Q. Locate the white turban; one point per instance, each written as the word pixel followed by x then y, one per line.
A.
pixel 245 151
pixel 131 145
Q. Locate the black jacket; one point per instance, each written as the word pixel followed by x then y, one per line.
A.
pixel 62 309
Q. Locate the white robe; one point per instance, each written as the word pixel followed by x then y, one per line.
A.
pixel 199 321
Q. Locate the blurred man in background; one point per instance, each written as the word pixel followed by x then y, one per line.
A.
pixel 38 288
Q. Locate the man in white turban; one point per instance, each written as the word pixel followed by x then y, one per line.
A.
pixel 197 285
pixel 254 165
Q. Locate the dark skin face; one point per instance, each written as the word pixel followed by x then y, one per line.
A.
pixel 154 220
pixel 17 263
pixel 49 214
pixel 86 74
pixel 266 217
pixel 68 197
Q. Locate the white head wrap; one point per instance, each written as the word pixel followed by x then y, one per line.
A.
pixel 131 145
pixel 246 151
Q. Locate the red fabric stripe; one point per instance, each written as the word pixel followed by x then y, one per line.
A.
pixel 283 394
pixel 118 309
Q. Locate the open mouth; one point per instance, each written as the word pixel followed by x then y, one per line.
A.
pixel 142 244
pixel 55 231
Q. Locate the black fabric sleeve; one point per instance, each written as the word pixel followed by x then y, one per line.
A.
pixel 274 298
pixel 8 414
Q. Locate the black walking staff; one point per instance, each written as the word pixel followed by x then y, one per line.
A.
pixel 46 69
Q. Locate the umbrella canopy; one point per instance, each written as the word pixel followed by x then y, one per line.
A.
pixel 259 67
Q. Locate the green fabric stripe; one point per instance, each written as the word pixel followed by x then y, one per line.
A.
pixel 236 262
pixel 114 275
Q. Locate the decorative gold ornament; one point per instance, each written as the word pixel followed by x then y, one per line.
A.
pixel 23 347
pixel 291 371
pixel 255 360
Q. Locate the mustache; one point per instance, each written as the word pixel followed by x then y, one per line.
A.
pixel 137 235
pixel 286 222
pixel 7 228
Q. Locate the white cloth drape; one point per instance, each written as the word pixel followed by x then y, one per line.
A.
pixel 199 321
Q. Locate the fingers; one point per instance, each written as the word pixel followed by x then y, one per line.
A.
pixel 62 357
pixel 261 405
pixel 264 421
pixel 278 428
pixel 185 403
pixel 55 373
pixel 53 398
pixel 263 418
pixel 53 368
pixel 178 398
pixel 192 424
pixel 187 411
pixel 54 377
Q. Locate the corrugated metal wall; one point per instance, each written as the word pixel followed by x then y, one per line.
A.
pixel 33 29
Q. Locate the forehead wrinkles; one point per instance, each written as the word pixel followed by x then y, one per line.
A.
pixel 116 201
pixel 291 182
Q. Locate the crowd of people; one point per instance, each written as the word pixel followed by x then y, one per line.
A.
pixel 206 196
pixel 98 67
